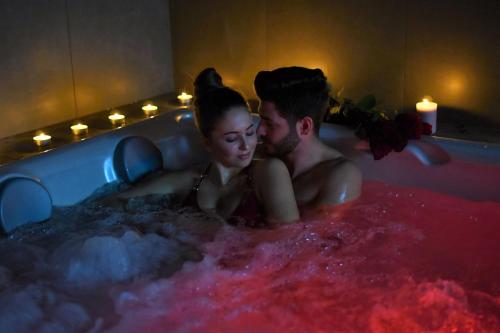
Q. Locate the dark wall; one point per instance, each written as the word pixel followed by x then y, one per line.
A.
pixel 114 51
pixel 398 50
pixel 121 51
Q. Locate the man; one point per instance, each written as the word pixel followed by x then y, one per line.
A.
pixel 293 101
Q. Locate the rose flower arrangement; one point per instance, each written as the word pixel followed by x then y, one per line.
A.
pixel 384 133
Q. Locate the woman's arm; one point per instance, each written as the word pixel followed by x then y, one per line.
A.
pixel 274 190
pixel 169 183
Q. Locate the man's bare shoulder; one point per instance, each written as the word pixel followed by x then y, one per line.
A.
pixel 329 182
pixel 341 182
pixel 339 166
pixel 332 166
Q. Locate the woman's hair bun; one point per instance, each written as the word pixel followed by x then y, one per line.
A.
pixel 212 100
pixel 206 81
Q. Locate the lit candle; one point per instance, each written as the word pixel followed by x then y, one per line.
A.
pixel 42 139
pixel 79 129
pixel 428 112
pixel 150 110
pixel 185 98
pixel 117 119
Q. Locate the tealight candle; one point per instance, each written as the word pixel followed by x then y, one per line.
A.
pixel 428 112
pixel 185 98
pixel 80 129
pixel 117 118
pixel 150 110
pixel 42 139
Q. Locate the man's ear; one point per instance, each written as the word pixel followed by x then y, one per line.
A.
pixel 305 126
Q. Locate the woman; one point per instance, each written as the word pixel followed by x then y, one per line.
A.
pixel 232 185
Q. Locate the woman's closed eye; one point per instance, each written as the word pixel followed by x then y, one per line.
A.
pixel 250 133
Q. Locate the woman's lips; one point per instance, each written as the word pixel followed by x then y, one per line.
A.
pixel 244 156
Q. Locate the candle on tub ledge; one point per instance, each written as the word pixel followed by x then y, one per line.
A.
pixel 185 98
pixel 428 112
pixel 80 129
pixel 117 119
pixel 150 110
pixel 42 139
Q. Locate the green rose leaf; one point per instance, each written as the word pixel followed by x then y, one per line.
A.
pixel 366 103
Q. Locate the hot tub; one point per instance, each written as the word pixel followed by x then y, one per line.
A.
pixel 419 251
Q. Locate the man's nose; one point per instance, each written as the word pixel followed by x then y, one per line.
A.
pixel 261 131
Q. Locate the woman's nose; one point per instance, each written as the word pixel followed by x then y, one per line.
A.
pixel 244 144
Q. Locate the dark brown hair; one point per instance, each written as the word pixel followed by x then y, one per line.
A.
pixel 212 100
pixel 297 92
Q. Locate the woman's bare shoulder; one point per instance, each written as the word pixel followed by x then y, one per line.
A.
pixel 274 190
pixel 269 166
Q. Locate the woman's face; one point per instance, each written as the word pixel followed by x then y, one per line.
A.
pixel 233 140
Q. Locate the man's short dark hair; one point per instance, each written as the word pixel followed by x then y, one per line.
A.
pixel 297 92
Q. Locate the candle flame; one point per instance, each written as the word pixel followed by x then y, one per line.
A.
pixel 149 107
pixel 184 97
pixel 116 115
pixel 427 99
pixel 42 138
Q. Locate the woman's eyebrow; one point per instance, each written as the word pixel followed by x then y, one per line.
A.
pixel 236 132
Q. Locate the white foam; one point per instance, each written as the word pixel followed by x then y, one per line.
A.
pixel 112 258
pixel 36 308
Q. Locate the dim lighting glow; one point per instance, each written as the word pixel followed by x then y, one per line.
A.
pixel 455 85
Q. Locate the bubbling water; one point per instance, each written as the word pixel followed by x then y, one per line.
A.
pixel 396 260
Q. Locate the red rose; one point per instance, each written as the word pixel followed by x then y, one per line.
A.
pixel 384 136
pixel 410 125
pixel 426 128
pixel 379 149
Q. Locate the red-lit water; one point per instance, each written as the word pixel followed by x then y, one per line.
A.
pixel 397 260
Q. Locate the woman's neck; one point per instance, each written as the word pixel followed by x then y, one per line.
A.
pixel 221 175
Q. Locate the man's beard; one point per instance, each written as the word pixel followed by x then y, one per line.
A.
pixel 284 146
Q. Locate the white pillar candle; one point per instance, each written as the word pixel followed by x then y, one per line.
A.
pixel 185 98
pixel 428 113
pixel 117 119
pixel 79 129
pixel 150 110
pixel 42 139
